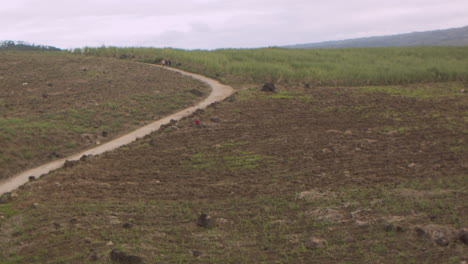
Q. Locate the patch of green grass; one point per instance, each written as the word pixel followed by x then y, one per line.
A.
pixel 417 91
pixel 241 160
pixel 400 129
pixel 8 209
pixel 356 66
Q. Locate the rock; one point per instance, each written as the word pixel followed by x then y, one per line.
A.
pixel 127 225
pixel 327 214
pixel 315 242
pixel 231 99
pixel 419 231
pixel 197 253
pixel 197 92
pixel 442 241
pixel 463 236
pixel 45 95
pixel 93 257
pixel 204 220
pixel 57 225
pixel 70 163
pixel 5 198
pixel 113 220
pixel 31 178
pixel 462 91
pixel 269 87
pixel 389 227
pixel 104 133
pixel 121 257
pixel 109 244
pixel 73 221
pixel 361 223
pixel 222 221
pixel 35 205
pixel 215 119
pixel 400 228
pixel 84 69
pixel 54 155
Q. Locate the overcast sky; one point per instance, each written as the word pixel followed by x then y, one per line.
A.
pixel 212 24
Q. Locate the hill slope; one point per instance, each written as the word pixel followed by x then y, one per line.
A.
pixel 447 37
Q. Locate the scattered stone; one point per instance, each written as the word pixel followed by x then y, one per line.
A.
pixel 315 194
pixel 307 85
pixel 197 253
pixel 442 241
pixel 462 91
pixel 84 69
pixel 88 240
pixel 360 223
pixel 113 220
pixel 463 236
pixel 73 221
pixel 400 229
pixel 50 84
pixel 231 99
pixel 105 133
pixel 215 119
pixel 25 84
pixel 419 231
pixel 204 220
pixel 5 198
pixel 54 155
pixel 31 178
pixel 222 221
pixel 389 227
pixel 121 257
pixel 35 205
pixel 197 92
pixel 127 225
pixel 94 257
pixel 84 158
pixel 327 214
pixel 269 87
pixel 45 95
pixel 70 163
pixel 57 225
pixel 109 244
pixel 315 242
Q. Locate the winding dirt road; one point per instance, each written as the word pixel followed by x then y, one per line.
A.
pixel 218 93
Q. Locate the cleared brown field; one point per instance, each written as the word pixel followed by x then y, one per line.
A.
pixel 53 105
pixel 318 175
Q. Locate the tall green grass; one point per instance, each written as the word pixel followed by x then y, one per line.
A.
pixel 353 66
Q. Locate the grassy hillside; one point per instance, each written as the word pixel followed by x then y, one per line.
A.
pixel 350 67
pixel 315 173
pixel 447 37
pixel 52 105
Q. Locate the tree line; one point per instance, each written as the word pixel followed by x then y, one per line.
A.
pixel 24 46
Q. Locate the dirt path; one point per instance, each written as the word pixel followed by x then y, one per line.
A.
pixel 218 93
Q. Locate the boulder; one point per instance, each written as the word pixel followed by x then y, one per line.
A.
pixel 197 92
pixel 269 87
pixel 204 220
pixel 121 257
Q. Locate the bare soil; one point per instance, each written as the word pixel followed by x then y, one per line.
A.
pixel 319 175
pixel 53 105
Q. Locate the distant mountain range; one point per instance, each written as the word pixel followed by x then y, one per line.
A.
pixel 447 37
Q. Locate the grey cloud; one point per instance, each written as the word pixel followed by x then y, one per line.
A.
pixel 212 24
